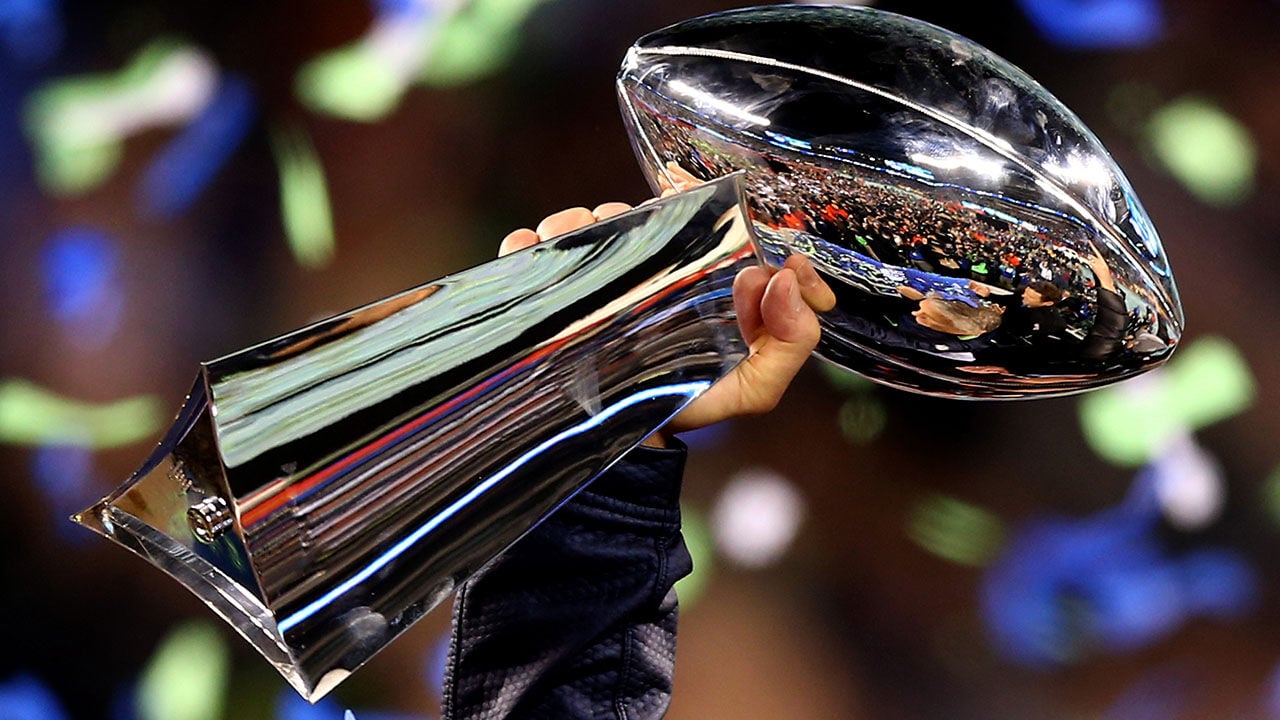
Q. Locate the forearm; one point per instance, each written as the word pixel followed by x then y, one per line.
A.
pixel 577 619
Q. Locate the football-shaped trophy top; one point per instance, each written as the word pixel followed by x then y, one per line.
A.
pixel 980 239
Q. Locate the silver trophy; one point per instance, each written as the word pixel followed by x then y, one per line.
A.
pixel 324 490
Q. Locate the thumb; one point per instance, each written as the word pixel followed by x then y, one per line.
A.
pixel 791 332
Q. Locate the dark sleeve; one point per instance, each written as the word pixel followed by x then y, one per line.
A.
pixel 578 618
pixel 1107 333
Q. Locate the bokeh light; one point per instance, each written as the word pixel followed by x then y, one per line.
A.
pixel 756 517
pixel 64 475
pixel 31 30
pixel 1188 484
pixel 862 418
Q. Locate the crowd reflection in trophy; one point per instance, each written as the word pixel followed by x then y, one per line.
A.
pixel 959 280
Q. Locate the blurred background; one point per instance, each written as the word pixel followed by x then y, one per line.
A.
pixel 182 180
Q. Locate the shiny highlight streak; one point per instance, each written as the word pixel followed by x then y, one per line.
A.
pixel 689 390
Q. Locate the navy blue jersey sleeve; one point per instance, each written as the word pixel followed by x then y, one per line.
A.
pixel 578 619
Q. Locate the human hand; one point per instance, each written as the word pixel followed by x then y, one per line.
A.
pixel 675 178
pixel 776 314
pixel 1101 270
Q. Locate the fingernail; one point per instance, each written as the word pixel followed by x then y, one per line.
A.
pixel 794 297
pixel 807 275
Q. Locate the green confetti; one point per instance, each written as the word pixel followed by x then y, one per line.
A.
pixel 476 41
pixel 186 679
pixel 304 199
pixel 1206 382
pixel 350 82
pixel 956 531
pixel 1210 381
pixel 31 415
pixel 73 153
pixel 1207 150
pixel 862 418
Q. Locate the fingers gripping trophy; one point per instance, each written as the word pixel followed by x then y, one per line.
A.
pixel 919 209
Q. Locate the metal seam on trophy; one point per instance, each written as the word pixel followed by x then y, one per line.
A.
pixel 323 490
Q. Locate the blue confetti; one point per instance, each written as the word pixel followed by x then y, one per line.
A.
pixel 1091 24
pixel 25 698
pixel 178 176
pixel 64 476
pixel 1063 585
pixel 79 268
pixel 31 30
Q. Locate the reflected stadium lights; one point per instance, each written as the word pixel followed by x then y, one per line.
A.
pixel 756 518
pixel 701 98
pixel 978 165
pixel 1088 170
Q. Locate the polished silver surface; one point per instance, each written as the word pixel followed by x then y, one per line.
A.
pixel 981 241
pixel 323 490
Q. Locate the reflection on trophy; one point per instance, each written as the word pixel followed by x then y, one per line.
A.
pixel 324 490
